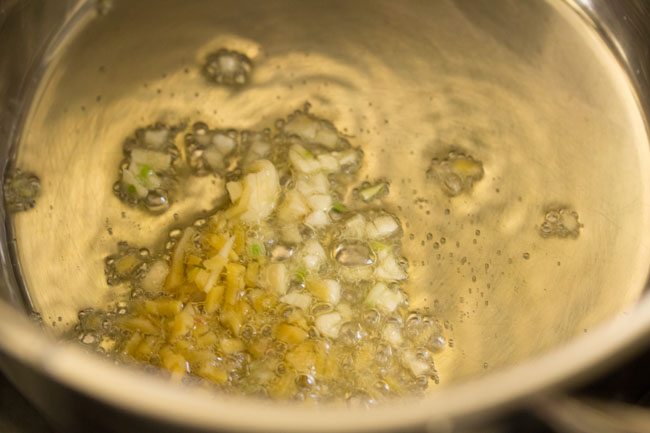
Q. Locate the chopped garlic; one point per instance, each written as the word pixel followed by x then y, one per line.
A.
pixel 126 264
pixel 298 282
pixel 382 227
pixel 155 277
pixel 223 143
pixel 346 311
pixel 326 290
pixel 317 219
pixel 159 161
pixel 214 158
pixel 311 262
pixel 260 191
pixel 313 130
pixel 328 163
pixel 234 190
pixel 302 125
pixel 355 274
pixel 275 277
pixel 333 291
pixel 303 160
pixel 300 300
pixel 313 254
pixel 313 184
pixel 322 202
pixel 259 148
pixel 382 297
pixel 216 270
pixel 290 234
pixel 231 345
pixel 290 334
pixel 417 366
pixel 388 268
pixel 293 207
pixel 130 179
pixel 155 138
pixel 329 324
pixel 320 183
pixel 176 272
pixel 348 157
pixel 392 333
pixel 355 227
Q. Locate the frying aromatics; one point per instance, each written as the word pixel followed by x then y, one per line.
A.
pixel 21 190
pixel 147 171
pixel 560 223
pixel 228 68
pixel 456 173
pixel 287 292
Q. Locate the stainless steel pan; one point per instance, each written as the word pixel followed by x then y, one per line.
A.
pixel 551 96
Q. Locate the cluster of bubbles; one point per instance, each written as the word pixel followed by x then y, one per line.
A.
pixel 210 150
pixel 456 173
pixel 380 354
pixel 21 189
pixel 147 174
pixel 225 151
pixel 289 133
pixel 95 329
pixel 373 368
pixel 127 264
pixel 560 223
pixel 228 68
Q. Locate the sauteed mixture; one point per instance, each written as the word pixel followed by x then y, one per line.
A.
pixel 417 227
pixel 293 289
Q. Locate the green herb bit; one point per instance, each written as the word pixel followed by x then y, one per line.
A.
pixel 256 249
pixel 378 246
pixel 145 172
pixel 301 275
pixel 339 207
pixel 307 154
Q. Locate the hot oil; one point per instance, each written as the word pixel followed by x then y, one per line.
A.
pixel 549 114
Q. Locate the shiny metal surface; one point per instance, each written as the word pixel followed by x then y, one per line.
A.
pixel 475 92
pixel 570 415
pixel 550 112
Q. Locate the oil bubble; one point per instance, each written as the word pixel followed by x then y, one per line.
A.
pixel 351 253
